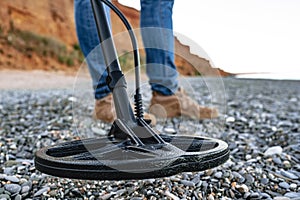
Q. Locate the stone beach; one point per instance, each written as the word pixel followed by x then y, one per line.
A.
pixel 260 122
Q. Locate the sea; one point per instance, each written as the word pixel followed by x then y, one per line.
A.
pixel 271 76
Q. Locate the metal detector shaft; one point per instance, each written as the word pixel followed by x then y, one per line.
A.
pixel 116 81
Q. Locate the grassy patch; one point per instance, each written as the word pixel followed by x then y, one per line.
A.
pixel 127 61
pixel 28 42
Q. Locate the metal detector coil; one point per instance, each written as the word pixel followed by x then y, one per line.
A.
pixel 132 149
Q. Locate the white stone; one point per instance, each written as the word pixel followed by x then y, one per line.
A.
pixel 293 186
pixel 99 131
pixel 273 150
pixel 230 119
pixel 281 198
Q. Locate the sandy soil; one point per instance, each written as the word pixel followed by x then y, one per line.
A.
pixel 34 80
pixel 39 79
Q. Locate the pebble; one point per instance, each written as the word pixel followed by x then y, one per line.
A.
pixel 246 195
pixel 18 197
pixel 277 160
pixel 273 150
pixel 53 193
pixel 287 164
pixel 285 123
pixel 8 170
pixel 284 185
pixel 265 195
pixel 218 175
pixel 254 195
pixel 248 157
pixel 242 188
pixel 210 197
pixel 169 130
pixel 264 181
pixel 292 194
pixel 2 176
pixel 188 183
pixel 196 180
pixel 120 192
pixel 209 172
pixel 99 131
pixel 13 188
pixel 41 191
pixel 236 174
pixel 281 198
pixel 289 175
pixel 172 196
pixel 249 179
pixel 25 189
pixel 293 186
pixel 230 119
pixel 4 196
pixel 13 179
pixel 106 196
pixel 204 185
pixel 262 137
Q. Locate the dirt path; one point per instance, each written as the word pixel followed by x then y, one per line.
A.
pixel 12 79
pixel 38 79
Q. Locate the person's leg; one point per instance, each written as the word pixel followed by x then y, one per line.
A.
pixel 157 33
pixel 158 38
pixel 89 43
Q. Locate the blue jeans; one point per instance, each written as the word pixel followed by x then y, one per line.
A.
pixel 158 39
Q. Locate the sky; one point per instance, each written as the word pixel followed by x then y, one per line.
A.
pixel 241 36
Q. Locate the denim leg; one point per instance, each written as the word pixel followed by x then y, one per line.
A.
pixel 157 33
pixel 89 43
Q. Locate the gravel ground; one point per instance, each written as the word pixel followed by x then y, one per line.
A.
pixel 261 126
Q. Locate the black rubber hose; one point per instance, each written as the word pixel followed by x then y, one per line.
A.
pixel 137 97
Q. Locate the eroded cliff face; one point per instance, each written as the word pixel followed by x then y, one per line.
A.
pixel 29 29
pixel 186 62
pixel 52 18
pixel 37 34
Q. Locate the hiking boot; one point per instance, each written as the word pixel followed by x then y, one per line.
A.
pixel 179 104
pixel 105 111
